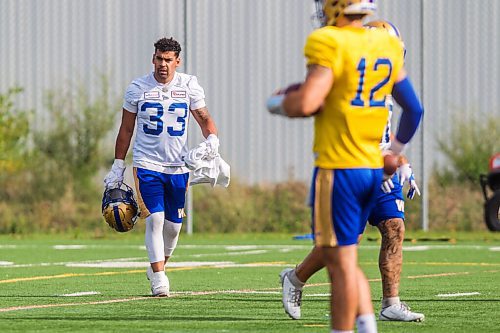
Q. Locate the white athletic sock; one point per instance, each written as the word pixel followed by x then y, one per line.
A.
pixel 366 323
pixel 295 280
pixel 154 237
pixel 171 232
pixel 390 301
pixel 338 331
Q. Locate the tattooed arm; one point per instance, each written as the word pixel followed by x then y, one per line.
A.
pixel 205 121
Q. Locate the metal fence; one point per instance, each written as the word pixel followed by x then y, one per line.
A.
pixel 241 51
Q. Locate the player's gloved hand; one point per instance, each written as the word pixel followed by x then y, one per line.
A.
pixel 213 141
pixel 387 184
pixel 413 188
pixel 405 172
pixel 114 178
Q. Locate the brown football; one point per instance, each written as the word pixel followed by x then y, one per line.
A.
pixel 292 87
pixel 390 164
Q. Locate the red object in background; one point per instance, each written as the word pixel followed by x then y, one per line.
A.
pixel 495 162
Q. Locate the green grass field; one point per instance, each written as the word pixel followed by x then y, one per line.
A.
pixel 229 283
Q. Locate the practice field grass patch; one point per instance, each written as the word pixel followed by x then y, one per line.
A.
pixel 229 283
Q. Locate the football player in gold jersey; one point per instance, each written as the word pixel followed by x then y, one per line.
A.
pixel 388 216
pixel 351 70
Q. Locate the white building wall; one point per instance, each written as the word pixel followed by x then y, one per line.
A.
pixel 241 51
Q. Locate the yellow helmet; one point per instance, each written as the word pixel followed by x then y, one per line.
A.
pixel 328 11
pixel 119 208
pixel 389 27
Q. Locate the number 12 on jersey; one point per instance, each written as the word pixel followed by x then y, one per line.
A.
pixel 378 65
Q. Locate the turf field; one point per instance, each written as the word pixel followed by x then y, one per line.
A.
pixel 229 283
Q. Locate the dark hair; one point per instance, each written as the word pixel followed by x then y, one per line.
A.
pixel 354 17
pixel 168 44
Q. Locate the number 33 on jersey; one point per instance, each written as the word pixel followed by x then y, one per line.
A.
pixel 162 117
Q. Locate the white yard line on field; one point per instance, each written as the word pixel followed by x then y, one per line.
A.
pixel 459 294
pixel 239 253
pixel 65 263
pixel 81 293
pixel 138 264
pixel 363 246
pixel 70 247
pixel 194 293
pixel 44 306
pixel 416 248
pixel 188 267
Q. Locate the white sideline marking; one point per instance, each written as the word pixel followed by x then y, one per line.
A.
pixel 81 293
pixel 241 247
pixel 416 248
pixel 137 264
pixel 229 253
pixel 458 294
pixel 42 264
pixel 248 246
pixel 255 264
pixel 363 246
pixel 6 263
pixel 69 247
pixel 44 306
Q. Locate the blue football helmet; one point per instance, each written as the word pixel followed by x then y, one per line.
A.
pixel 119 208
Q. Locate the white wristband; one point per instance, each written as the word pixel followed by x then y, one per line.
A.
pixel 397 147
pixel 119 164
pixel 275 104
pixel 212 137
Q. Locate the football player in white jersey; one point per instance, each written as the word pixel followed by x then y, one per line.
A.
pixel 388 217
pixel 160 103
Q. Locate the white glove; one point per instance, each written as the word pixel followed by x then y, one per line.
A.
pixel 405 172
pixel 213 141
pixel 413 188
pixel 387 185
pixel 114 178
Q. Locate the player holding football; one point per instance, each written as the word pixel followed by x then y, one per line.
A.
pixel 351 70
pixel 160 103
pixel 388 217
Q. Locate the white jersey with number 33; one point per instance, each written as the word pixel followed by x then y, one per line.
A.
pixel 162 119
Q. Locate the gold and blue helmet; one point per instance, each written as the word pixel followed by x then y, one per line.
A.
pixel 119 208
pixel 389 27
pixel 329 11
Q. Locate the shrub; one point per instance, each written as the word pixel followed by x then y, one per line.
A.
pixel 452 207
pixel 468 148
pixel 51 186
pixel 14 134
pixel 251 208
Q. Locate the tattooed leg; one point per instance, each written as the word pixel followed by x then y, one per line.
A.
pixel 391 255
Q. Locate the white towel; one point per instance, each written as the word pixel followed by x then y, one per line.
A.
pixel 207 166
